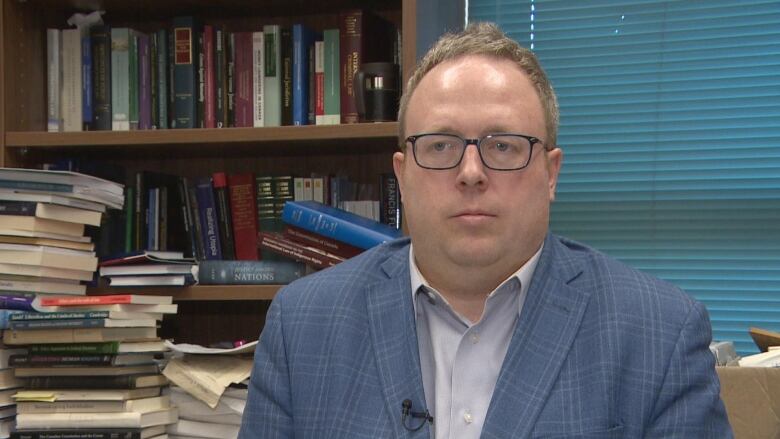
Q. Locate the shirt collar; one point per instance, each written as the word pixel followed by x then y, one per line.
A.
pixel 523 274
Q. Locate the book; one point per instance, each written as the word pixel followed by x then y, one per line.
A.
pixel 144 82
pixel 104 300
pixel 145 257
pixel 163 84
pixel 224 215
pixel 323 243
pixel 110 347
pixel 31 360
pixel 169 280
pixel 54 79
pixel 47 256
pixel 258 82
pixel 33 224
pixel 83 323
pixel 78 335
pixel 286 48
pixel 87 81
pixel 133 78
pixel 92 433
pixel 190 428
pixel 41 271
pixel 272 101
pixel 12 195
pixel 209 78
pixel 244 108
pixel 101 77
pixel 96 382
pixel 145 269
pixel 7 353
pixel 241 189
pixel 11 282
pixel 319 82
pixel 141 405
pixel 316 258
pixel 332 80
pixel 302 38
pixel 86 394
pixel 120 79
pixel 71 96
pixel 389 200
pixel 50 211
pixel 77 315
pixel 96 420
pixel 185 72
pixel 127 307
pixel 88 193
pixel 15 302
pixel 6 396
pixel 338 224
pixel 81 371
pixel 8 379
pixel 248 272
pixel 207 211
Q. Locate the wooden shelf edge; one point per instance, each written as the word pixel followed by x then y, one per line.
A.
pixel 380 130
pixel 198 292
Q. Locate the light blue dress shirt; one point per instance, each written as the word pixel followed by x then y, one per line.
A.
pixel 461 360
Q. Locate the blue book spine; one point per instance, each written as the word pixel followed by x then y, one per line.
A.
pixel 20 315
pixel 337 224
pixel 16 302
pixel 207 211
pixel 5 317
pixel 86 80
pixel 36 186
pixel 57 324
pixel 302 38
pixel 249 272
pixel 162 78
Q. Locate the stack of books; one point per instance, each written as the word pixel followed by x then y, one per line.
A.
pixel 322 236
pixel 91 364
pixel 148 268
pixel 9 384
pixel 197 419
pixel 43 214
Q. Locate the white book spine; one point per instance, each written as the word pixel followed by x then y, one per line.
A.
pixel 258 61
pixel 54 73
pixel 272 100
pixel 71 80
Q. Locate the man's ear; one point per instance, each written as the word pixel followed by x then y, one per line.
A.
pixel 398 167
pixel 554 161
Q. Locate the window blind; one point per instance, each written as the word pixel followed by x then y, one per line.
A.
pixel 670 127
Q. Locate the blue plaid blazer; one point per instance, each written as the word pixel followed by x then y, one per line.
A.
pixel 600 351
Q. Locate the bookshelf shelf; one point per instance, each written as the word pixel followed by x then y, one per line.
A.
pixel 199 292
pixel 325 133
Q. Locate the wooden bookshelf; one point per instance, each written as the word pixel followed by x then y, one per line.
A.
pixel 361 151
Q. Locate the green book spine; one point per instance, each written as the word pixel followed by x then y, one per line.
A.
pixel 332 83
pixel 162 78
pixel 111 347
pixel 120 77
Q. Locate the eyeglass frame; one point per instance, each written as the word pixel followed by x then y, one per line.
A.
pixel 477 143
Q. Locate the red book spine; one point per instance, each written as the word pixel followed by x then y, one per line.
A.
pixel 277 243
pixel 326 244
pixel 209 100
pixel 243 80
pixel 243 210
pixel 86 300
pixel 350 48
pixel 319 79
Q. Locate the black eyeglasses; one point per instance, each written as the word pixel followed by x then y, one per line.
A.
pixel 500 152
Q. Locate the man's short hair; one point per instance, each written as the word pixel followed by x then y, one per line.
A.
pixel 485 39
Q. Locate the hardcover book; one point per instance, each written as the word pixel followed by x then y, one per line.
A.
pixel 185 83
pixel 110 347
pixel 316 258
pixel 54 79
pixel 91 433
pixel 224 215
pixel 248 272
pixel 258 81
pixel 120 79
pixel 272 101
pixel 244 218
pixel 101 78
pixel 302 38
pixel 71 80
pixel 244 108
pixel 207 211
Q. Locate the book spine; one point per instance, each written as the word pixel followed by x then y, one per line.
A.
pixel 86 300
pixel 272 102
pixel 111 433
pixel 144 83
pixel 248 272
pixel 134 78
pixel 209 81
pixel 200 74
pixel 291 249
pixel 350 32
pixel 208 219
pixel 264 203
pixel 326 244
pixel 36 316
pixel 60 360
pixel 86 81
pixel 152 219
pixel 120 79
pixel 36 186
pixel 335 227
pixel 243 87
pixel 286 48
pixel 390 201
pixel 52 324
pixel 258 60
pixel 185 72
pixel 243 212
pixel 111 347
pixel 101 78
pixel 312 76
pixel 54 79
pixel 16 302
pixel 154 108
pixel 231 79
pixel 319 82
pixel 162 216
pixel 82 382
pixel 332 93
pixel 196 225
pixel 71 99
pixel 22 208
pixel 162 79
pixel 300 78
pixel 171 76
pixel 141 204
pixel 224 215
pixel 191 248
pixel 220 77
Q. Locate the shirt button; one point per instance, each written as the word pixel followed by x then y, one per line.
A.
pixel 474 338
pixel 468 418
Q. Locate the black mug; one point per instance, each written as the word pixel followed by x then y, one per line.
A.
pixel 377 90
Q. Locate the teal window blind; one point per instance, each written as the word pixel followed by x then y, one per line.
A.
pixel 670 127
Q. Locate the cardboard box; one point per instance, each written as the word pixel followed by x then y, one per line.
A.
pixel 752 399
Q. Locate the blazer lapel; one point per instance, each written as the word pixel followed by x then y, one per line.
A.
pixel 394 337
pixel 545 331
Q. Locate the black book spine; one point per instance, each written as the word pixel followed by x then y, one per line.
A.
pixel 101 78
pixel 231 75
pixel 220 77
pixel 21 208
pixel 224 216
pixel 287 69
pixel 201 74
pixel 81 382
pixel 191 249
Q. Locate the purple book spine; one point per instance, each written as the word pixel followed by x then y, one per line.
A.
pixel 16 302
pixel 144 83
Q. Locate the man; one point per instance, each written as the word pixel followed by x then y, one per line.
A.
pixel 485 325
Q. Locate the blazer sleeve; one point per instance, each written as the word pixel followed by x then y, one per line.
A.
pixel 268 412
pixel 689 404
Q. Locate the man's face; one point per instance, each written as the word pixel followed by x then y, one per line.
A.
pixel 472 216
